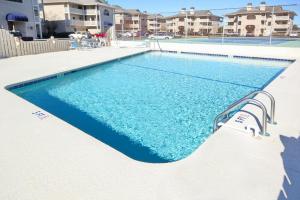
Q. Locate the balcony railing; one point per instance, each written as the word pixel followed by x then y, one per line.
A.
pixel 90 23
pixel 74 11
pixel 90 12
pixel 81 11
pixel 282 17
pixel 281 25
pixel 76 23
pixel 82 23
pixel 229 27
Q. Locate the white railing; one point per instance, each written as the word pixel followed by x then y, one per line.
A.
pixel 90 23
pixel 11 46
pixel 229 27
pixel 281 17
pixel 90 12
pixel 76 23
pixel 82 23
pixel 74 11
pixel 285 26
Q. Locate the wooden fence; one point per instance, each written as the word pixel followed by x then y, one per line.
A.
pixel 11 46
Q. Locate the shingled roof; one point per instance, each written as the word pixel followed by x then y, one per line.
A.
pixel 155 16
pixel 119 10
pixel 257 10
pixel 196 13
pixel 80 2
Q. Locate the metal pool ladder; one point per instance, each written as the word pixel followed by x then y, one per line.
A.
pixel 249 99
pixel 158 45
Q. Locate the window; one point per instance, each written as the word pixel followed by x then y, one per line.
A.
pixel 106 12
pixel 280 29
pixel 281 22
pixel 262 22
pixel 251 17
pixel 240 23
pixel 269 23
pixel 36 11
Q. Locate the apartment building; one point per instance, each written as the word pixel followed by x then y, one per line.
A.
pixel 156 23
pixel 21 15
pixel 79 15
pixel 193 22
pixel 130 20
pixel 260 21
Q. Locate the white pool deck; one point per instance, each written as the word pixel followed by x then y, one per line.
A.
pixel 50 159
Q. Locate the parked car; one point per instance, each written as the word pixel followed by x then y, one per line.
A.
pixel 294 34
pixel 160 36
pixel 80 35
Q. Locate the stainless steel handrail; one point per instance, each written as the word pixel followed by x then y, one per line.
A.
pixel 272 99
pixel 239 103
pixel 158 45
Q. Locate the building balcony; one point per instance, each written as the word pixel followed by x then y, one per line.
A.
pixel 76 23
pixel 75 11
pixel 281 25
pixel 231 19
pixel 282 17
pixel 82 23
pixel 90 12
pixel 181 23
pixel 229 27
pixel 205 24
pixel 90 23
pixel 203 20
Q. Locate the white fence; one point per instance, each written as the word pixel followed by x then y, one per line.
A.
pixel 11 46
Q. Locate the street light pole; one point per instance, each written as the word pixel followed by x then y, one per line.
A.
pixel 272 21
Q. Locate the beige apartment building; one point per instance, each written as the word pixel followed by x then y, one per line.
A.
pixel 193 22
pixel 130 20
pixel 259 21
pixel 79 15
pixel 22 16
pixel 156 23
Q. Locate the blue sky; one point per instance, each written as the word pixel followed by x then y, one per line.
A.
pixel 155 6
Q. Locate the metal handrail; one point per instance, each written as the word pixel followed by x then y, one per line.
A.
pixel 237 104
pixel 158 45
pixel 272 99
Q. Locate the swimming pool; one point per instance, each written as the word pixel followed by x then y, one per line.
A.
pixel 153 107
pixel 261 41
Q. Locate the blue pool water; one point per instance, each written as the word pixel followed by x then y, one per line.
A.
pixel 153 107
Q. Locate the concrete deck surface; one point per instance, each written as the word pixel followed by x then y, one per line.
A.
pixel 50 159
